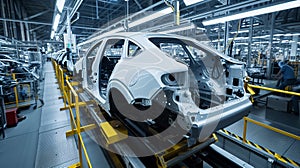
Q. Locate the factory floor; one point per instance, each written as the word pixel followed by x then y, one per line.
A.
pixel 40 140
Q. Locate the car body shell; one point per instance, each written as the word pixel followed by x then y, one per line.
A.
pixel 139 79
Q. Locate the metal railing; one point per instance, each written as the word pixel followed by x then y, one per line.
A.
pixel 250 88
pixel 246 120
pixel 71 101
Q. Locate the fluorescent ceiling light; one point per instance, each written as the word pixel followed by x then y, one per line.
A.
pixel 240 31
pixel 60 5
pixel 191 2
pixel 56 21
pixel 52 34
pixel 151 17
pixel 261 11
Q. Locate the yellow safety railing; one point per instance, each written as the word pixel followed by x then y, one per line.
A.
pixel 71 100
pixel 246 120
pixel 249 86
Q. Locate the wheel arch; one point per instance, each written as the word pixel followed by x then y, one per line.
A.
pixel 118 86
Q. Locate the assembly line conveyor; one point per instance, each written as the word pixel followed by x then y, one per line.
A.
pixel 86 116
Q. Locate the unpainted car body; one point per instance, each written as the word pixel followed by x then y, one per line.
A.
pixel 199 88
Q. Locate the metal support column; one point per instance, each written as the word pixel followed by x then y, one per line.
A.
pixel 4 22
pixel 9 28
pixel 269 50
pixel 15 31
pixel 97 12
pixel 34 36
pixel 26 24
pixel 219 36
pixel 250 42
pixel 294 46
pixel 127 16
pixel 176 13
pixel 19 13
pixel 69 31
pixel 226 32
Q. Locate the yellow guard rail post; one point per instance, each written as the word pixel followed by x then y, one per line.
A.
pixel 16 91
pixel 246 119
pixel 71 97
pixel 250 86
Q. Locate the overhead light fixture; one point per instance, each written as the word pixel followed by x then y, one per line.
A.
pixel 191 2
pixel 240 31
pixel 261 11
pixel 52 34
pixel 56 21
pixel 151 17
pixel 60 5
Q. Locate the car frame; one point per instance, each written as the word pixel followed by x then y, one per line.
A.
pixel 140 78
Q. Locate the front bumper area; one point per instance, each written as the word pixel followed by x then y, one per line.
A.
pixel 217 118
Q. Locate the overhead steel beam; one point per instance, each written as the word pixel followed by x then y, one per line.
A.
pixel 52 41
pixel 117 4
pixel 88 28
pixel 120 22
pixel 26 21
pixel 36 28
pixel 36 15
pixel 99 7
pixel 138 4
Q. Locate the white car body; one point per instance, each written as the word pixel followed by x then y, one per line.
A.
pixel 141 77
